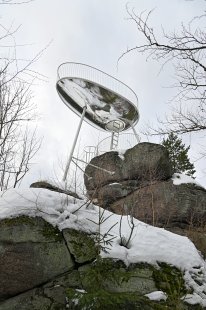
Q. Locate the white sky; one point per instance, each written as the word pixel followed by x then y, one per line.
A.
pixel 93 32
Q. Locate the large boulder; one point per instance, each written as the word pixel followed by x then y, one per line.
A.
pixel 105 284
pixel 109 193
pixel 145 161
pixel 32 252
pixel 139 184
pixel 178 208
pixel 38 272
pixel 165 204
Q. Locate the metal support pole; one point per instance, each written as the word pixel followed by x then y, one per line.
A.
pixel 89 164
pixel 135 133
pixel 112 138
pixel 74 144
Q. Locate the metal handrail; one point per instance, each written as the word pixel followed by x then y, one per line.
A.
pixel 101 148
pixel 83 71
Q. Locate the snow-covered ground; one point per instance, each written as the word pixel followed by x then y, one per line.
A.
pixel 147 244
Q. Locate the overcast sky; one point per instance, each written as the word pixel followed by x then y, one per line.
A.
pixel 94 32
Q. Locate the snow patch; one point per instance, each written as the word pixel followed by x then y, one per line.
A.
pixel 181 178
pixel 157 295
pixel 113 184
pixel 121 154
pixel 194 299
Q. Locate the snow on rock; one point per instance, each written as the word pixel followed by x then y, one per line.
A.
pixel 181 178
pixel 121 154
pixel 148 244
pixel 194 299
pixel 157 295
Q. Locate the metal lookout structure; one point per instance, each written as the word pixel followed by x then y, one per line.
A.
pixel 98 98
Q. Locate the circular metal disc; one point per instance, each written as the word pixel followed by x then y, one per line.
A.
pixel 106 109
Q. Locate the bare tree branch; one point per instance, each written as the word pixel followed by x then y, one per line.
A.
pixel 186 50
pixel 18 143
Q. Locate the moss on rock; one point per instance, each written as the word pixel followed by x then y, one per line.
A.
pixel 114 276
pixel 24 229
pixel 170 280
pixel 23 219
pixel 38 249
pixel 81 245
pixel 101 299
pixel 49 231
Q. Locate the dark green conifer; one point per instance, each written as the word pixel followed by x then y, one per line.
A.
pixel 178 154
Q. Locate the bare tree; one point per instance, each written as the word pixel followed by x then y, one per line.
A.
pixel 185 48
pixel 18 143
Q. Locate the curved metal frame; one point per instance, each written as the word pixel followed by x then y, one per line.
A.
pixel 101 82
pixel 71 103
pixel 75 70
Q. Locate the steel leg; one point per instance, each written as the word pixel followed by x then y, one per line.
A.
pixel 74 144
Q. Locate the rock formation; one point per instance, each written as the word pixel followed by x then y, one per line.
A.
pixel 144 162
pixel 43 268
pixel 140 185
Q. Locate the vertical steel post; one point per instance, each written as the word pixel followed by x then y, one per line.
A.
pixel 112 138
pixel 74 144
pixel 135 133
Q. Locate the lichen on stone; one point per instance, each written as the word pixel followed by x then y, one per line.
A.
pixel 170 280
pixel 23 219
pixel 49 231
pixel 81 245
pixel 101 299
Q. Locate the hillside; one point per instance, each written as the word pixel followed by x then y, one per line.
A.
pixel 148 244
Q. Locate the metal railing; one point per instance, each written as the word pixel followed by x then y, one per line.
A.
pixel 126 141
pixel 89 73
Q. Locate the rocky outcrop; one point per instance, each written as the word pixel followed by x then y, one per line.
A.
pixel 141 186
pixel 165 204
pixel 32 252
pixel 178 208
pixel 109 193
pixel 144 162
pixel 43 268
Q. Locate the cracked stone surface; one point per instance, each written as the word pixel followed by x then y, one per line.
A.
pixel 32 252
pixel 49 296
